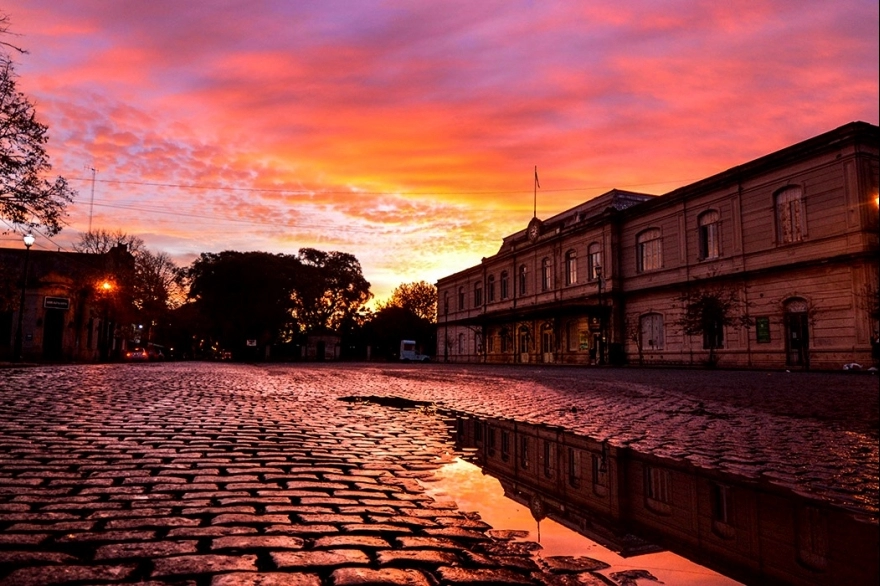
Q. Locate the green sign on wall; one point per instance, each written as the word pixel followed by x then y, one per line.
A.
pixel 762 329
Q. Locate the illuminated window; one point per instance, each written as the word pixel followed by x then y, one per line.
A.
pixel 594 261
pixel 546 275
pixel 791 218
pixel 710 235
pixel 649 250
pixel 571 267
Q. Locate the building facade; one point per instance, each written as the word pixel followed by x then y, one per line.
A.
pixel 73 304
pixel 770 264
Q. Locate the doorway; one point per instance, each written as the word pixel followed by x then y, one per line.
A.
pixel 547 343
pixel 53 334
pixel 797 334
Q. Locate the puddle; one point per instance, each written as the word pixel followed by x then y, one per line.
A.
pixel 472 490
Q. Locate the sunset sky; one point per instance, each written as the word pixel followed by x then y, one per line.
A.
pixel 407 132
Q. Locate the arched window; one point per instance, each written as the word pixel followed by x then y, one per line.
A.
pixel 571 267
pixel 461 298
pixel 523 279
pixel 594 261
pixel 710 235
pixel 649 250
pixel 651 331
pixel 490 288
pixel 505 285
pixel 791 220
pixel 478 294
pixel 546 275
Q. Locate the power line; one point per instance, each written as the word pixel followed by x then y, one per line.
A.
pixel 350 192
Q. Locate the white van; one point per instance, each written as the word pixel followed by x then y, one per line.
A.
pixel 408 352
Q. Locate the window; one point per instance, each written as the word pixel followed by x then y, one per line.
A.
pixel 478 294
pixel 790 215
pixel 461 298
pixel 505 285
pixel 649 250
pixel 571 267
pixel 523 279
pixel 546 275
pixel 478 431
pixel 461 343
pixel 505 340
pixel 713 334
pixel 600 474
pixel 657 489
pixel 722 514
pixel 446 303
pixel 574 471
pixel 490 342
pixel 594 261
pixel 490 439
pixel 812 537
pixel 651 331
pixel 524 452
pixel 524 336
pixel 505 445
pixel 548 458
pixel 490 289
pixel 710 235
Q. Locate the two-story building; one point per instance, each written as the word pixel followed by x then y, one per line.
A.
pixel 773 263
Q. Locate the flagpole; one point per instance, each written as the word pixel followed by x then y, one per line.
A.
pixel 535 199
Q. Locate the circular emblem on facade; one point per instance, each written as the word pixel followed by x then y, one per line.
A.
pixel 534 229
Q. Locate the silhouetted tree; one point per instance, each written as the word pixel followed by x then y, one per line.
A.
pixel 391 324
pixel 26 197
pixel 245 296
pixel 420 298
pixel 331 290
pixel 707 311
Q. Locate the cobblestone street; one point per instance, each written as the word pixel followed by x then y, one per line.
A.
pixel 221 474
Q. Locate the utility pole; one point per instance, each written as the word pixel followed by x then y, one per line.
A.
pixel 92 201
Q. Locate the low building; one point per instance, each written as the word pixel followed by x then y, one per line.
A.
pixel 72 304
pixel 773 263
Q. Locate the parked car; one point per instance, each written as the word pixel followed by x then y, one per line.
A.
pixel 136 354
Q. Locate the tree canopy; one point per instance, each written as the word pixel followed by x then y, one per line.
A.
pixel 27 198
pixel 420 298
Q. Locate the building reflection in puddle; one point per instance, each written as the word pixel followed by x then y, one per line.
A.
pixel 756 532
pixel 472 490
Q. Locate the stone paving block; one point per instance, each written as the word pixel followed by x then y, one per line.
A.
pixel 203 564
pixel 355 541
pixel 145 550
pixel 107 536
pixel 417 558
pixel 496 577
pixel 239 519
pixel 20 558
pixel 266 579
pixel 326 558
pixel 49 575
pixel 257 542
pixel 383 577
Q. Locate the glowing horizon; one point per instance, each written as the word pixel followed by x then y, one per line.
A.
pixel 407 134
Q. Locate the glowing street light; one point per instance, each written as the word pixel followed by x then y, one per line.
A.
pixel 28 242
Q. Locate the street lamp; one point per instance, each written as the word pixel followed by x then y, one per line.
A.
pixel 28 242
pixel 105 289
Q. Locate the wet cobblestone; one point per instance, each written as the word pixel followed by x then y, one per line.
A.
pixel 225 475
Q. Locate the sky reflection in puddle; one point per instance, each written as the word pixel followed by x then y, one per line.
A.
pixel 472 490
